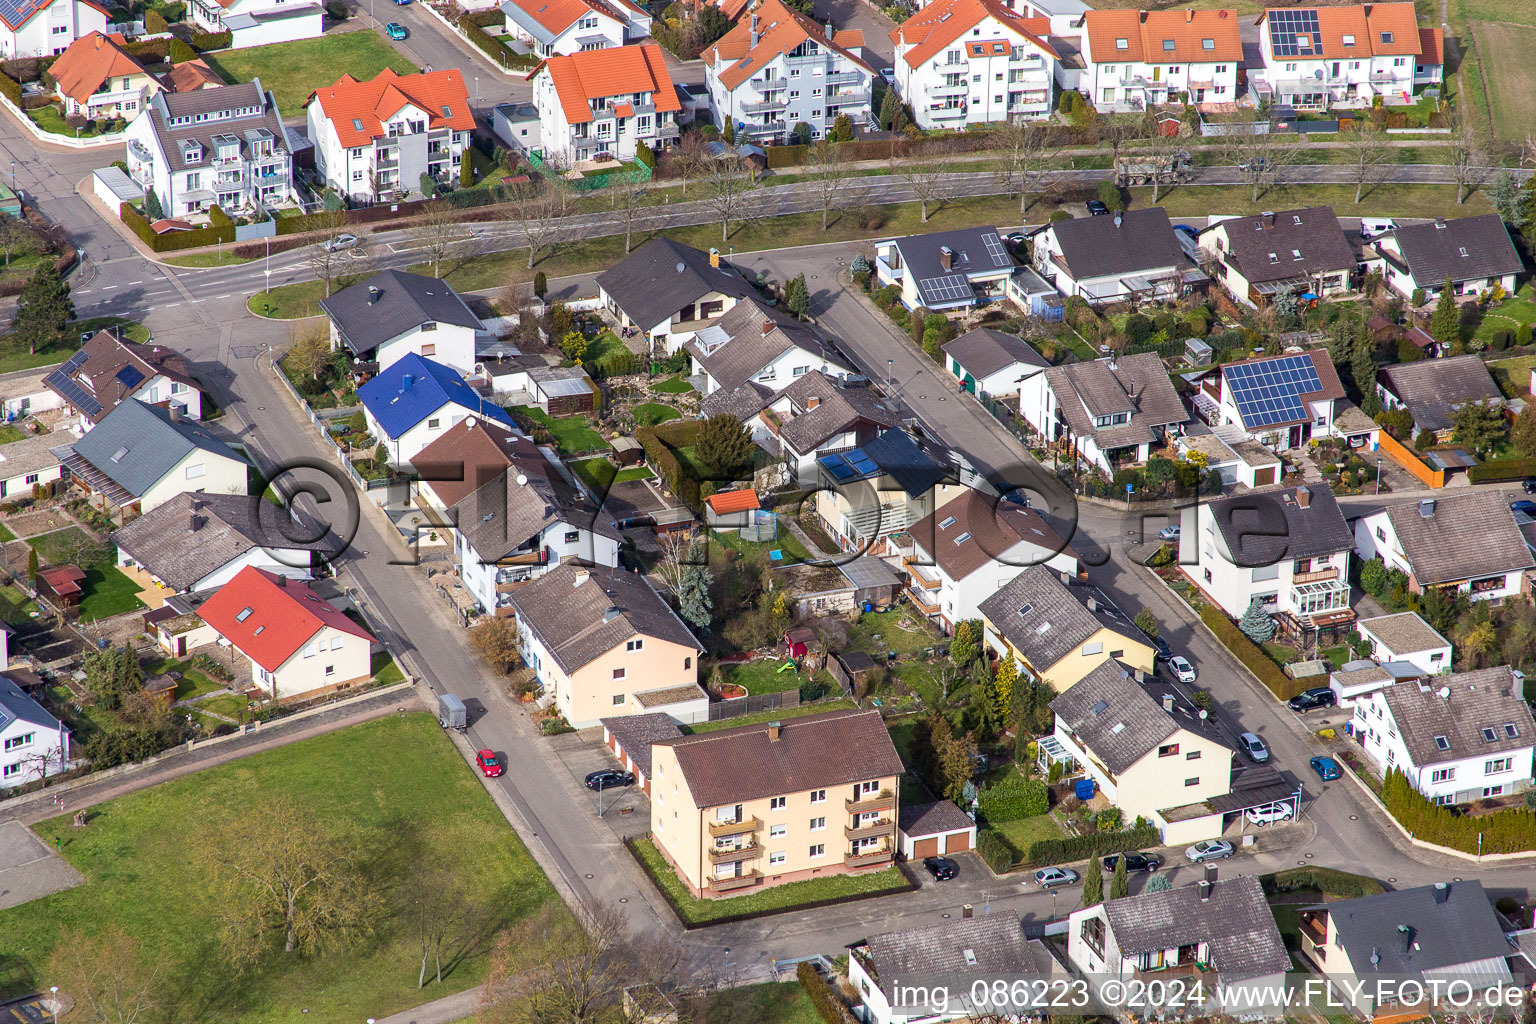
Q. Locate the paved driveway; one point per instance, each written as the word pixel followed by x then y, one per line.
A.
pixel 29 870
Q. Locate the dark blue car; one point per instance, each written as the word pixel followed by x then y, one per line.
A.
pixel 1326 767
pixel 1523 505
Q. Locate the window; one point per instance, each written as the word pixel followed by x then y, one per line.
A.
pixel 1381 534
pixel 1192 782
pixel 434 423
pixel 1169 46
pixel 195 471
pixel 1207 44
pixel 1193 755
pixel 1442 775
pixel 17 742
pixel 1498 764
pixel 1443 742
pixel 777 803
pixel 634 645
pixel 1122 44
pixel 330 670
pixel 1349 40
pixel 1386 37
pixel 618 699
pixel 1168 750
pixel 309 650
pixel 687 663
pixel 618 673
pixel 1089 649
pixel 429 350
pixel 1511 730
pixel 818 824
pixel 1493 790
pixel 777 858
pixel 818 796
pixel 947 523
pixel 9 770
pixel 775 831
pixel 818 850
pixel 1488 734
pixel 243 614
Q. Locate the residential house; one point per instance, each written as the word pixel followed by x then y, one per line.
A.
pixel 1316 58
pixel 1219 931
pixel 1407 638
pixel 1280 401
pixel 95 78
pixel 1109 412
pixel 1230 453
pixel 395 313
pixel 1433 389
pixel 867 497
pixel 41 28
pixel 755 343
pixel 961 62
pixel 201 541
pixel 140 456
pixel 1136 60
pixel 1058 629
pixel 465 457
pixel 601 104
pixel 190 76
pixel 989 945
pixel 33 744
pixel 1473 253
pixel 24 393
pixel 757 805
pixel 970 547
pixel 26 463
pixel 557 28
pixel 375 139
pixel 258 22
pixel 669 292
pixel 1286 548
pixel 1428 934
pixel 1457 739
pixel 601 643
pixel 1463 543
pixel 221 145
pixel 989 362
pixel 1133 256
pixel 299 645
pixel 106 371
pixel 945 270
pixel 408 405
pixel 1303 252
pixel 777 69
pixel 1147 749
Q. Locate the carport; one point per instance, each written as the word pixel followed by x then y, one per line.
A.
pixel 1257 786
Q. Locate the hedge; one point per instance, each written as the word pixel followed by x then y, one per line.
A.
pixel 1247 652
pixel 11 88
pixel 204 41
pixel 1013 798
pixel 658 443
pixel 493 48
pixel 1501 469
pixel 994 850
pixel 1328 881
pixel 1070 848
pixel 148 50
pixel 256 250
pixel 1508 831
pixel 173 240
pixel 828 1006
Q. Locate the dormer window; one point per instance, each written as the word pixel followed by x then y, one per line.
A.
pixel 1386 37
pixel 1489 736
pixel 1295 254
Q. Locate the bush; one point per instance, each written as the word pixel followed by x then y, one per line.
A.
pixel 1523 334
pixel 1109 195
pixel 828 1006
pixel 1328 881
pixel 1417 299
pixel 11 88
pixel 337 10
pixel 1507 831
pixel 1070 848
pixel 179 52
pixel 1059 215
pixel 1501 339
pixel 173 240
pixel 1013 798
pixel 205 41
pixel 658 443
pixel 1257 662
pixel 1501 469
pixel 992 849
pixel 154 23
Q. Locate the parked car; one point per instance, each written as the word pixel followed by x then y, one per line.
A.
pixel 395 31
pixel 1168 533
pixel 941 868
pixel 1050 878
pixel 1311 700
pixel 1209 849
pixel 1183 671
pixel 1134 861
pixel 1326 767
pixel 1016 239
pixel 608 778
pixel 1269 813
pixel 1258 163
pixel 1525 505
pixel 889 74
pixel 1528 485
pixel 401 3
pixel 489 763
pixel 339 243
pixel 1097 208
pixel 1164 652
pixel 1254 747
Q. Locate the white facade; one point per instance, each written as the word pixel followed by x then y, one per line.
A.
pixel 1297 587
pixel 781 370
pixel 1359 54
pixel 405 447
pixel 200 471
pixel 51 30
pixel 453 345
pixel 1039 405
pixel 1146 284
pixel 259 22
pixel 562 540
pixel 1111 83
pixel 1384 254
pixel 1445 782
pixel 614 124
pixel 1139 59
pixel 595 28
pixel 1376 538
pixel 33 744
pixel 1430 658
pixel 959 599
pixel 1006 78
pixel 329 658
pixel 392 161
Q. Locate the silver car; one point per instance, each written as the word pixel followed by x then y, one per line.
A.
pixel 1050 878
pixel 1209 849
pixel 1254 747
pixel 339 243
pixel 1183 671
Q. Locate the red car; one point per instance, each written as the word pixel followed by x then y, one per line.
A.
pixel 489 763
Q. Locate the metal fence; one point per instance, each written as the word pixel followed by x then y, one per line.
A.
pixel 593 182
pixel 721 710
pixel 319 423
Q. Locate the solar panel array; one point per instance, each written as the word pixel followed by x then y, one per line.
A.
pixel 17 11
pixel 946 289
pixel 130 376
pixel 62 381
pixel 1270 392
pixel 854 465
pixel 996 251
pixel 1285 28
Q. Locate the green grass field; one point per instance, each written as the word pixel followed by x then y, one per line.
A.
pixel 1019 834
pixel 146 862
pixel 192 682
pixel 107 591
pixel 573 435
pixel 1513 375
pixel 14 356
pixel 10 432
pixel 16 608
pixel 1509 314
pixel 762 676
pixel 673 386
pixel 770 716
pixel 599 474
pixel 220 258
pixel 290 301
pixel 294 70
pixel 1519 12
pixel 651 413
pixel 1504 51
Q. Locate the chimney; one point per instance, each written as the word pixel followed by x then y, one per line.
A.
pixel 610 613
pixel 175 411
pixel 1093 605
pixel 1210 874
pixel 1405 934
pixel 1439 223
pixel 373 294
pixel 946 257
pixel 1205 890
pixel 282 581
pixel 773 732
pixel 197 503
pixel 1168 703
pixel 1303 497
pixel 768 326
pixel 1066 578
pixel 406 382
pixel 1189 15
pixel 1427 508
pixel 829 30
pixel 196 524
pixel 714 254
pixel 1442 892
pixel 811 403
pixel 754 31
pixel 580 577
pixel 1118 219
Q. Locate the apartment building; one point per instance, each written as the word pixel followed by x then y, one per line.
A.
pixel 737 809
pixel 601 104
pixel 962 62
pixel 1133 60
pixel 777 68
pixel 556 28
pixel 1317 58
pixel 375 139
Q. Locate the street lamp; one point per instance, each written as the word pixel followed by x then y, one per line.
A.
pixel 890 366
pixel 267 270
pixel 53 990
pixel 1378 472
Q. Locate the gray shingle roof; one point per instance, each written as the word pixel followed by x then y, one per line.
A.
pixel 1433 251
pixel 985 350
pixel 649 287
pixel 136 444
pixel 1136 384
pixel 743 401
pixel 751 347
pixel 823 407
pixel 567 608
pixel 1264 246
pixel 240 96
pixel 1117 721
pixel 498 517
pixel 403 302
pixel 1044 618
pixel 1404 633
pixel 17 706
pixel 1458 709
pixel 974 252
pixel 1466 536
pixel 1449 924
pixel 1142 241
pixel 1433 388
pixel 973 531
pixel 636 733
pixel 1269 526
pixel 933 818
pixel 29 455
pixel 995 943
pixel 1235 920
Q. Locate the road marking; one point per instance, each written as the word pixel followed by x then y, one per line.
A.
pixel 108 287
pixel 224 296
pixel 84 291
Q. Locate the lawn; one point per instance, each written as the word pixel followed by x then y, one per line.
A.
pixel 49 119
pixel 192 682
pixel 762 676
pixel 290 301
pixel 1513 375
pixel 673 386
pixel 221 258
pixel 107 591
pixel 10 432
pixel 1504 51
pixel 14 356
pixel 385 670
pixel 651 413
pixel 294 70
pixel 599 474
pixel 770 716
pixel 573 434
pixel 1518 11
pixel 879 632
pixel 16 608
pixel 1509 314
pixel 146 864
pixel 794 552
pixel 1019 834
pixel 768 1003
pixel 757 901
pixel 231 705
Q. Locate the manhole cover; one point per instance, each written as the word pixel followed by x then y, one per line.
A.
pixel 922 398
pixel 623 899
pixel 587 876
pixel 1354 817
pixel 945 916
pixel 1309 856
pixel 1392 879
pixel 943 398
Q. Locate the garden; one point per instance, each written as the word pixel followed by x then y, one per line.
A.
pixel 107 591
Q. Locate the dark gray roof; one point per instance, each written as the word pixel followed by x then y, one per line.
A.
pixel 1264 247
pixel 501 515
pixel 822 407
pixel 1433 251
pixel 748 337
pixel 973 251
pixel 743 401
pixel 636 733
pixel 229 110
pixel 16 706
pixel 1130 243
pixel 867 571
pixel 1449 924
pixel 193 535
pixel 404 301
pixel 1045 618
pixel 990 945
pixel 1135 384
pixel 1404 633
pixel 567 608
pixel 649 287
pixel 1462 711
pixel 932 819
pixel 975 531
pixel 1433 388
pixel 985 350
pixel 1116 720
pixel 1235 920
pixel 1462 536
pixel 1269 526
pixel 136 444
pixel 914 468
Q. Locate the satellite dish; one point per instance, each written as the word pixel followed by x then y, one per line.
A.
pixel 1204 714
pixel 522 480
pixel 469 422
pixel 681 267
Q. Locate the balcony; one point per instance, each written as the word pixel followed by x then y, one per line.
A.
pixel 668 130
pixel 920 578
pixel 869 830
pixel 743 881
pixel 947 114
pixel 846 78
pixel 771 128
pixel 539 557
pixel 957 89
pixel 767 106
pixel 718 829
pixel 386 165
pixel 1316 575
pixel 719 855
pixel 881 801
pixel 1180 970
pixel 925 604
pixel 848 97
pixel 867 860
pixel 771 85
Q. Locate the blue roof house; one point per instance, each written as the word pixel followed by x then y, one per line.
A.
pixel 413 401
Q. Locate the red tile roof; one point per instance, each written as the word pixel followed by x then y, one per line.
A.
pixel 63 580
pixel 780 29
pixel 725 502
pixel 1431 46
pixel 1147 33
pixel 191 75
pixel 1378 30
pixel 555 16
pixel 589 75
pixel 90 61
pixel 358 110
pixel 944 21
pixel 269 618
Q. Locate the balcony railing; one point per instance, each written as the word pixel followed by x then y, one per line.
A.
pixel 909 562
pixel 767 106
pixel 731 828
pixel 771 85
pixel 539 557
pixel 947 113
pixel 718 855
pixel 869 830
pixel 871 802
pixel 1316 575
pixel 742 881
pixel 868 859
pixel 668 130
pixel 846 78
pixel 957 89
pixel 928 606
pixel 847 97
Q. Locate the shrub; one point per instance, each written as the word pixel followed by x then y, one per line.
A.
pixel 1501 469
pixel 11 88
pixel 1507 831
pixel 336 10
pixel 828 1006
pixel 173 240
pixel 1328 881
pixel 1070 848
pixel 1257 662
pixel 154 23
pixel 1057 215
pixel 991 848
pixel 1013 798
pixel 1417 298
pixel 1523 334
pixel 204 41
pixel 179 52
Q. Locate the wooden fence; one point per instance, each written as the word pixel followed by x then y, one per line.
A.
pixel 1409 460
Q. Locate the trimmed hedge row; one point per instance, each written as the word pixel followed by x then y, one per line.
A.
pixel 174 240
pixel 829 1007
pixel 204 41
pixel 1070 848
pixel 994 850
pixel 1013 798
pixel 11 88
pixel 256 250
pixel 658 443
pixel 1328 881
pixel 1501 469
pixel 1247 652
pixel 1508 831
pixel 473 27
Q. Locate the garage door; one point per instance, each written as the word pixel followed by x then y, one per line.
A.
pixel 957 842
pixel 1261 477
pixel 928 847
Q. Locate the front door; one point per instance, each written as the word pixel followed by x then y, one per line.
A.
pixel 1157 74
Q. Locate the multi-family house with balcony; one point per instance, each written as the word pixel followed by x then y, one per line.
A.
pixel 962 62
pixel 222 146
pixel 738 809
pixel 1463 544
pixel 1316 58
pixel 258 22
pixel 604 103
pixel 1133 60
pixel 375 139
pixel 867 497
pixel 38 28
pixel 778 68
pixel 96 78
pixel 555 28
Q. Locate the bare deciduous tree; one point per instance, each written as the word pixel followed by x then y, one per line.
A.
pixel 690 158
pixel 726 190
pixel 445 915
pixel 1467 160
pixel 627 199
pixel 1162 154
pixel 327 264
pixel 1369 156
pixel 1027 148
pixel 309 350
pixel 929 184
pixel 535 212
pixel 678 552
pixel 1257 156
pixel 439 233
pixel 829 179
pixel 108 976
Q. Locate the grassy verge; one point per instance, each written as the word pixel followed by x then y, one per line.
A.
pixel 107 591
pixel 15 356
pixel 385 670
pixel 221 258
pixel 599 474
pixel 289 301
pixel 294 70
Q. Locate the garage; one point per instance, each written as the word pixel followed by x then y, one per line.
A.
pixel 937 829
